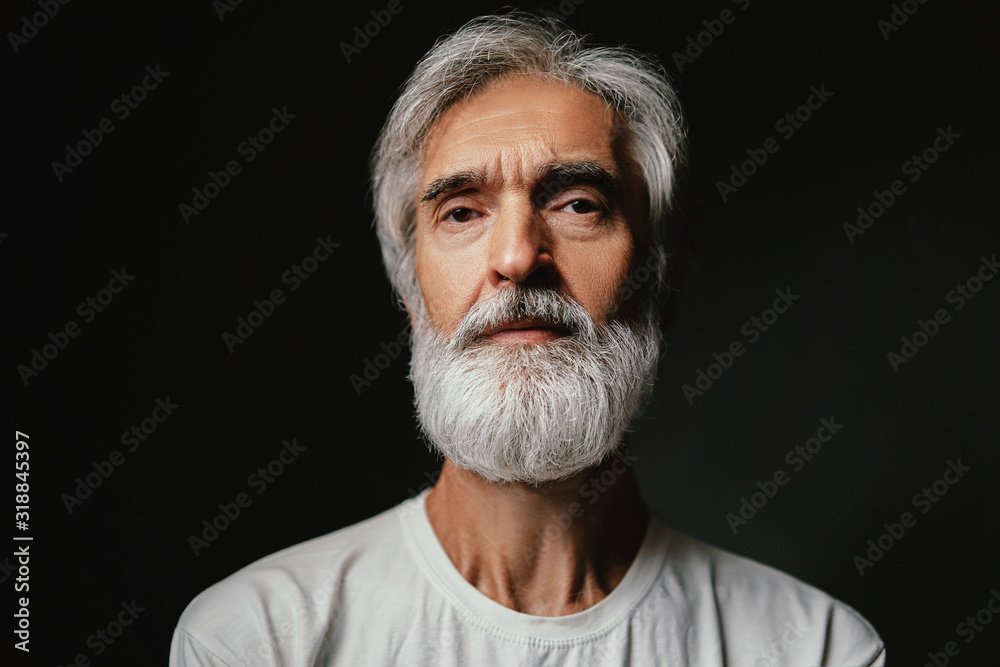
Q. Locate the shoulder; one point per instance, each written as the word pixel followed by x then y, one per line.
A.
pixel 754 601
pixel 267 607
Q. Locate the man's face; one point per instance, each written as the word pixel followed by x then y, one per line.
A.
pixel 526 183
pixel 529 215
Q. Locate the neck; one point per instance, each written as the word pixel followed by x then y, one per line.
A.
pixel 551 550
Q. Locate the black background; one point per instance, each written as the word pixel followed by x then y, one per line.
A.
pixel 162 336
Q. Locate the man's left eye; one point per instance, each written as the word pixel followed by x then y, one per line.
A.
pixel 580 206
pixel 461 215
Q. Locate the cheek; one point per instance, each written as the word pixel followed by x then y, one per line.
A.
pixel 616 273
pixel 444 281
pixel 599 272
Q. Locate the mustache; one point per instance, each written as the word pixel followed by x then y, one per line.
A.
pixel 521 303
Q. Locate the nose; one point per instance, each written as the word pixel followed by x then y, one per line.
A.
pixel 520 247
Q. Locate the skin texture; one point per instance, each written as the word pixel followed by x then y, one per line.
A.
pixel 492 212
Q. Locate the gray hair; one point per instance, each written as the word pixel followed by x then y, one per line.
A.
pixel 492 47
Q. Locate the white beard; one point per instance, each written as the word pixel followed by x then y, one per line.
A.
pixel 531 413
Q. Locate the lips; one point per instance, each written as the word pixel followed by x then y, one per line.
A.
pixel 527 330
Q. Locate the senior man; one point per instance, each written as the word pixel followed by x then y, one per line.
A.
pixel 521 180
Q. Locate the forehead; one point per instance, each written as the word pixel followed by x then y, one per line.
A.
pixel 517 124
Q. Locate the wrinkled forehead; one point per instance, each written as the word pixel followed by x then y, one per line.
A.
pixel 514 124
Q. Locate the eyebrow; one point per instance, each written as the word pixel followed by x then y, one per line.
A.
pixel 587 172
pixel 451 182
pixel 580 172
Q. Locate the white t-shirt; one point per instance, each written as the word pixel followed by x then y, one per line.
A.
pixel 384 592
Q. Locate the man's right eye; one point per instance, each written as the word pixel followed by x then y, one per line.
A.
pixel 461 215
